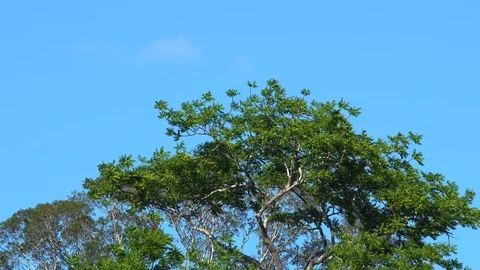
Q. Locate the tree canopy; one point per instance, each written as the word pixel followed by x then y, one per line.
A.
pixel 276 182
pixel 66 234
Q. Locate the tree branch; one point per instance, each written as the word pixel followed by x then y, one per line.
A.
pixel 245 258
pixel 320 257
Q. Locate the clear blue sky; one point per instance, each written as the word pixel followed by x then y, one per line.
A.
pixel 78 79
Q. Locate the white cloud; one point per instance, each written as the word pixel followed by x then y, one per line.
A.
pixel 168 48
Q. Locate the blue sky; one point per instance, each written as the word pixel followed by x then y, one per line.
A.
pixel 78 79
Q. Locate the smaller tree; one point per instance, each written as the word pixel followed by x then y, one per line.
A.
pixel 47 236
pixel 65 234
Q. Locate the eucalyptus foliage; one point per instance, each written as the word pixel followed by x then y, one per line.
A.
pixel 66 234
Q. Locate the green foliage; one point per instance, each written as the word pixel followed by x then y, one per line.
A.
pixel 46 235
pixel 144 248
pixel 65 234
pixel 318 193
pixel 291 175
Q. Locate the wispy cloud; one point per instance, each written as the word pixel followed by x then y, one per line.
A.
pixel 177 48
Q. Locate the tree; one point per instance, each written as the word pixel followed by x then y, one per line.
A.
pixel 289 174
pixel 296 175
pixel 65 234
pixel 46 236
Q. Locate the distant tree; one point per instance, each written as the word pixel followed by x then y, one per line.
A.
pixel 46 236
pixel 66 235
